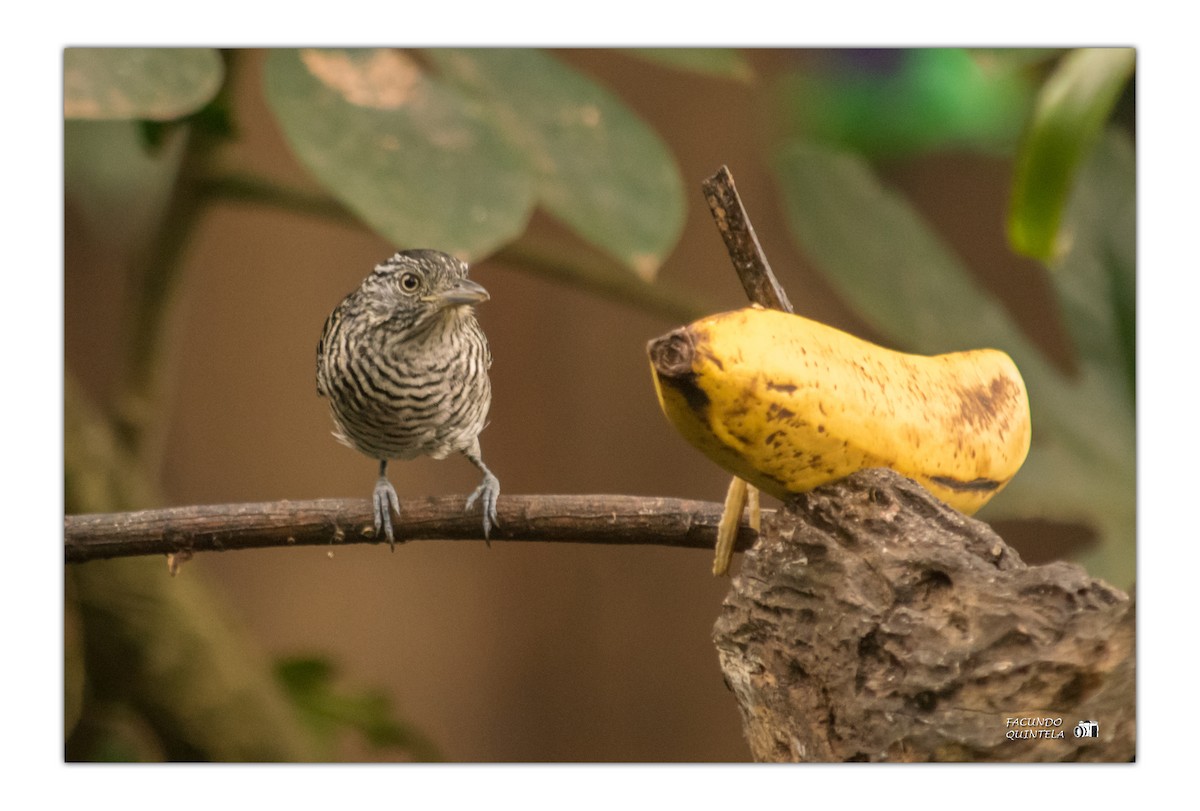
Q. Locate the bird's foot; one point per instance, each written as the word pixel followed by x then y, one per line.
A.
pixel 490 492
pixel 385 501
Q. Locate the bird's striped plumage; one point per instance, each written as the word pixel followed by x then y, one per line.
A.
pixel 404 364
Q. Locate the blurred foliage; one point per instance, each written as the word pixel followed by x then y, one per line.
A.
pixel 454 148
pixel 405 152
pixel 328 712
pixel 167 650
pixel 1069 118
pixel 459 156
pixel 127 84
pixel 115 187
pixel 897 273
pixel 889 103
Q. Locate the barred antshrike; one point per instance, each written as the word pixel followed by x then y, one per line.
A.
pixel 404 366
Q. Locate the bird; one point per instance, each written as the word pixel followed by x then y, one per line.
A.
pixel 404 365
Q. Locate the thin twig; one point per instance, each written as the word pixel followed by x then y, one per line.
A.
pixel 605 278
pixel 747 255
pixel 602 519
pixel 245 187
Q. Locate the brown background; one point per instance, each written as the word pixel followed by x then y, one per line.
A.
pixel 521 652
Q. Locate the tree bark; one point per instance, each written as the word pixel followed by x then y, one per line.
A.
pixel 872 622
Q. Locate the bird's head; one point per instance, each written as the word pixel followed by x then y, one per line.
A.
pixel 417 285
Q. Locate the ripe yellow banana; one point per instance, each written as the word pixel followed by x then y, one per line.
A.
pixel 788 404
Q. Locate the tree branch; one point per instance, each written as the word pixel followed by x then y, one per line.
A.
pixel 631 520
pixel 245 187
pixel 592 273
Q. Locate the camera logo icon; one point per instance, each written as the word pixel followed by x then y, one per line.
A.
pixel 1087 729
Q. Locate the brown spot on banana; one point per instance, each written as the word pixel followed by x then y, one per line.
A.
pixel 983 405
pixel 975 485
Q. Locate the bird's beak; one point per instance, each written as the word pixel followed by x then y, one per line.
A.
pixel 464 292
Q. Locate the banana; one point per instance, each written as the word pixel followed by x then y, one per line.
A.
pixel 788 404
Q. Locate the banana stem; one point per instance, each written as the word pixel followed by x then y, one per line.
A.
pixel 735 504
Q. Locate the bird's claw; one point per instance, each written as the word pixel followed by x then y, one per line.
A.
pixel 385 501
pixel 489 489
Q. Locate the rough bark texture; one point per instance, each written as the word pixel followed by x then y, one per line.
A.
pixel 871 622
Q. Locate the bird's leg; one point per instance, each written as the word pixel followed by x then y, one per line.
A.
pixel 385 501
pixel 489 489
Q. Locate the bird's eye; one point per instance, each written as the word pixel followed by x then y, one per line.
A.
pixel 410 282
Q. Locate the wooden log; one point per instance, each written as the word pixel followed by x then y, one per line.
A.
pixel 871 622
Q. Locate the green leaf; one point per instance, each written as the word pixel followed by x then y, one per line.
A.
pixel 457 161
pixel 159 84
pixel 1067 121
pixel 304 675
pixel 599 169
pixel 412 157
pixel 722 63
pixel 309 682
pixel 894 270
